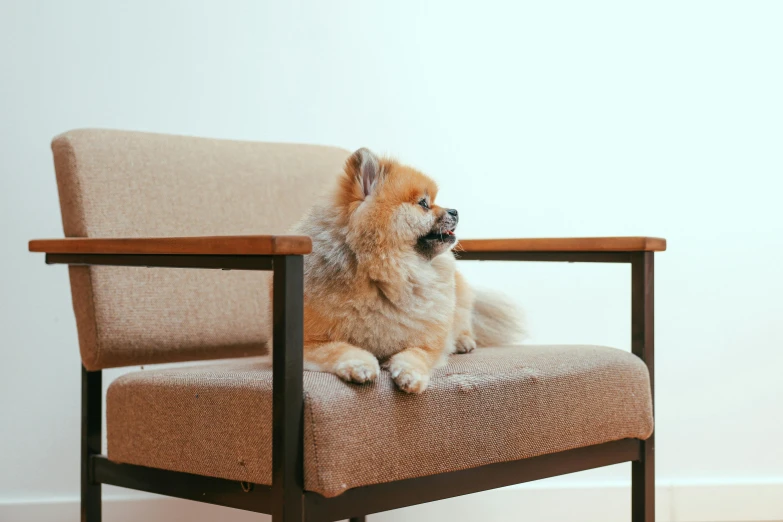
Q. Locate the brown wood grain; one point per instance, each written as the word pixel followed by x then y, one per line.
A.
pixel 214 245
pixel 300 245
pixel 564 244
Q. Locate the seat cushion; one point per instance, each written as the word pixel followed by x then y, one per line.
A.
pixel 493 405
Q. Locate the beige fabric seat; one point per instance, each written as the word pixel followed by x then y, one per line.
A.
pixel 494 405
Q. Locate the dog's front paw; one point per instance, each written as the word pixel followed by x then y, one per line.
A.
pixel 408 377
pixel 359 371
pixel 464 344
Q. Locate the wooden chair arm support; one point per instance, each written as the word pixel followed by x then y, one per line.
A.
pixel 570 250
pixel 564 244
pixel 207 245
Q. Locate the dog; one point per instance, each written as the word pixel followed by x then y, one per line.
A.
pixel 381 282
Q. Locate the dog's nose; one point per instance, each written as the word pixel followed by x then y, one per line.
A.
pixel 452 211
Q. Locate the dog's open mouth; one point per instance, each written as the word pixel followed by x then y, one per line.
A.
pixel 446 236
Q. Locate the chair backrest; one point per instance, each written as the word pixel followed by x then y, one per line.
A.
pixel 133 184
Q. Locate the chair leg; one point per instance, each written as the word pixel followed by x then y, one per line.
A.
pixel 92 391
pixel 287 390
pixel 642 345
pixel 643 484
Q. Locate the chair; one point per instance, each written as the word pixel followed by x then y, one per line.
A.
pixel 138 209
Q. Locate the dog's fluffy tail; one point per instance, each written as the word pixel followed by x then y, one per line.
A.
pixel 497 320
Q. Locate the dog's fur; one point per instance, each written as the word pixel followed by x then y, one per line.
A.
pixel 381 282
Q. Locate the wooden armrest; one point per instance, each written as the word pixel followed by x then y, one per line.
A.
pixel 564 244
pixel 207 245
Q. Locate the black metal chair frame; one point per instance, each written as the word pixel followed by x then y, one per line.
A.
pixel 286 500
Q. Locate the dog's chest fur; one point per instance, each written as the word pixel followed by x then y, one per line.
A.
pixel 384 304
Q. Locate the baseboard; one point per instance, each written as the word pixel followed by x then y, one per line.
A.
pixel 751 501
pixel 147 508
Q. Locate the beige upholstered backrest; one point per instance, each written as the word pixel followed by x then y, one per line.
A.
pixel 132 184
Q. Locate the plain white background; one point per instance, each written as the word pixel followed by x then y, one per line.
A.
pixel 537 119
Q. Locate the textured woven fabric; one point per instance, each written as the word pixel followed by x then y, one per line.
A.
pixel 493 405
pixel 132 184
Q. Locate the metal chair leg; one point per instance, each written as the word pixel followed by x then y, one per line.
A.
pixel 92 390
pixel 287 391
pixel 642 345
pixel 643 485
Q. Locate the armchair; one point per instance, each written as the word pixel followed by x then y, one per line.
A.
pixel 140 208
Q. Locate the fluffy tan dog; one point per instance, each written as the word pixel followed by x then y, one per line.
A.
pixel 381 282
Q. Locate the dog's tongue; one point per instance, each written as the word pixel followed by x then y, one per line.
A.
pixel 449 232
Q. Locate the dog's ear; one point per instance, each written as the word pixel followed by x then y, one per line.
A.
pixel 364 167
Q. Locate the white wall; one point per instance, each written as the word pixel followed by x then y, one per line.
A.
pixel 545 119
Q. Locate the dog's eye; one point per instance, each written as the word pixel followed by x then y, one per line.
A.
pixel 424 204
